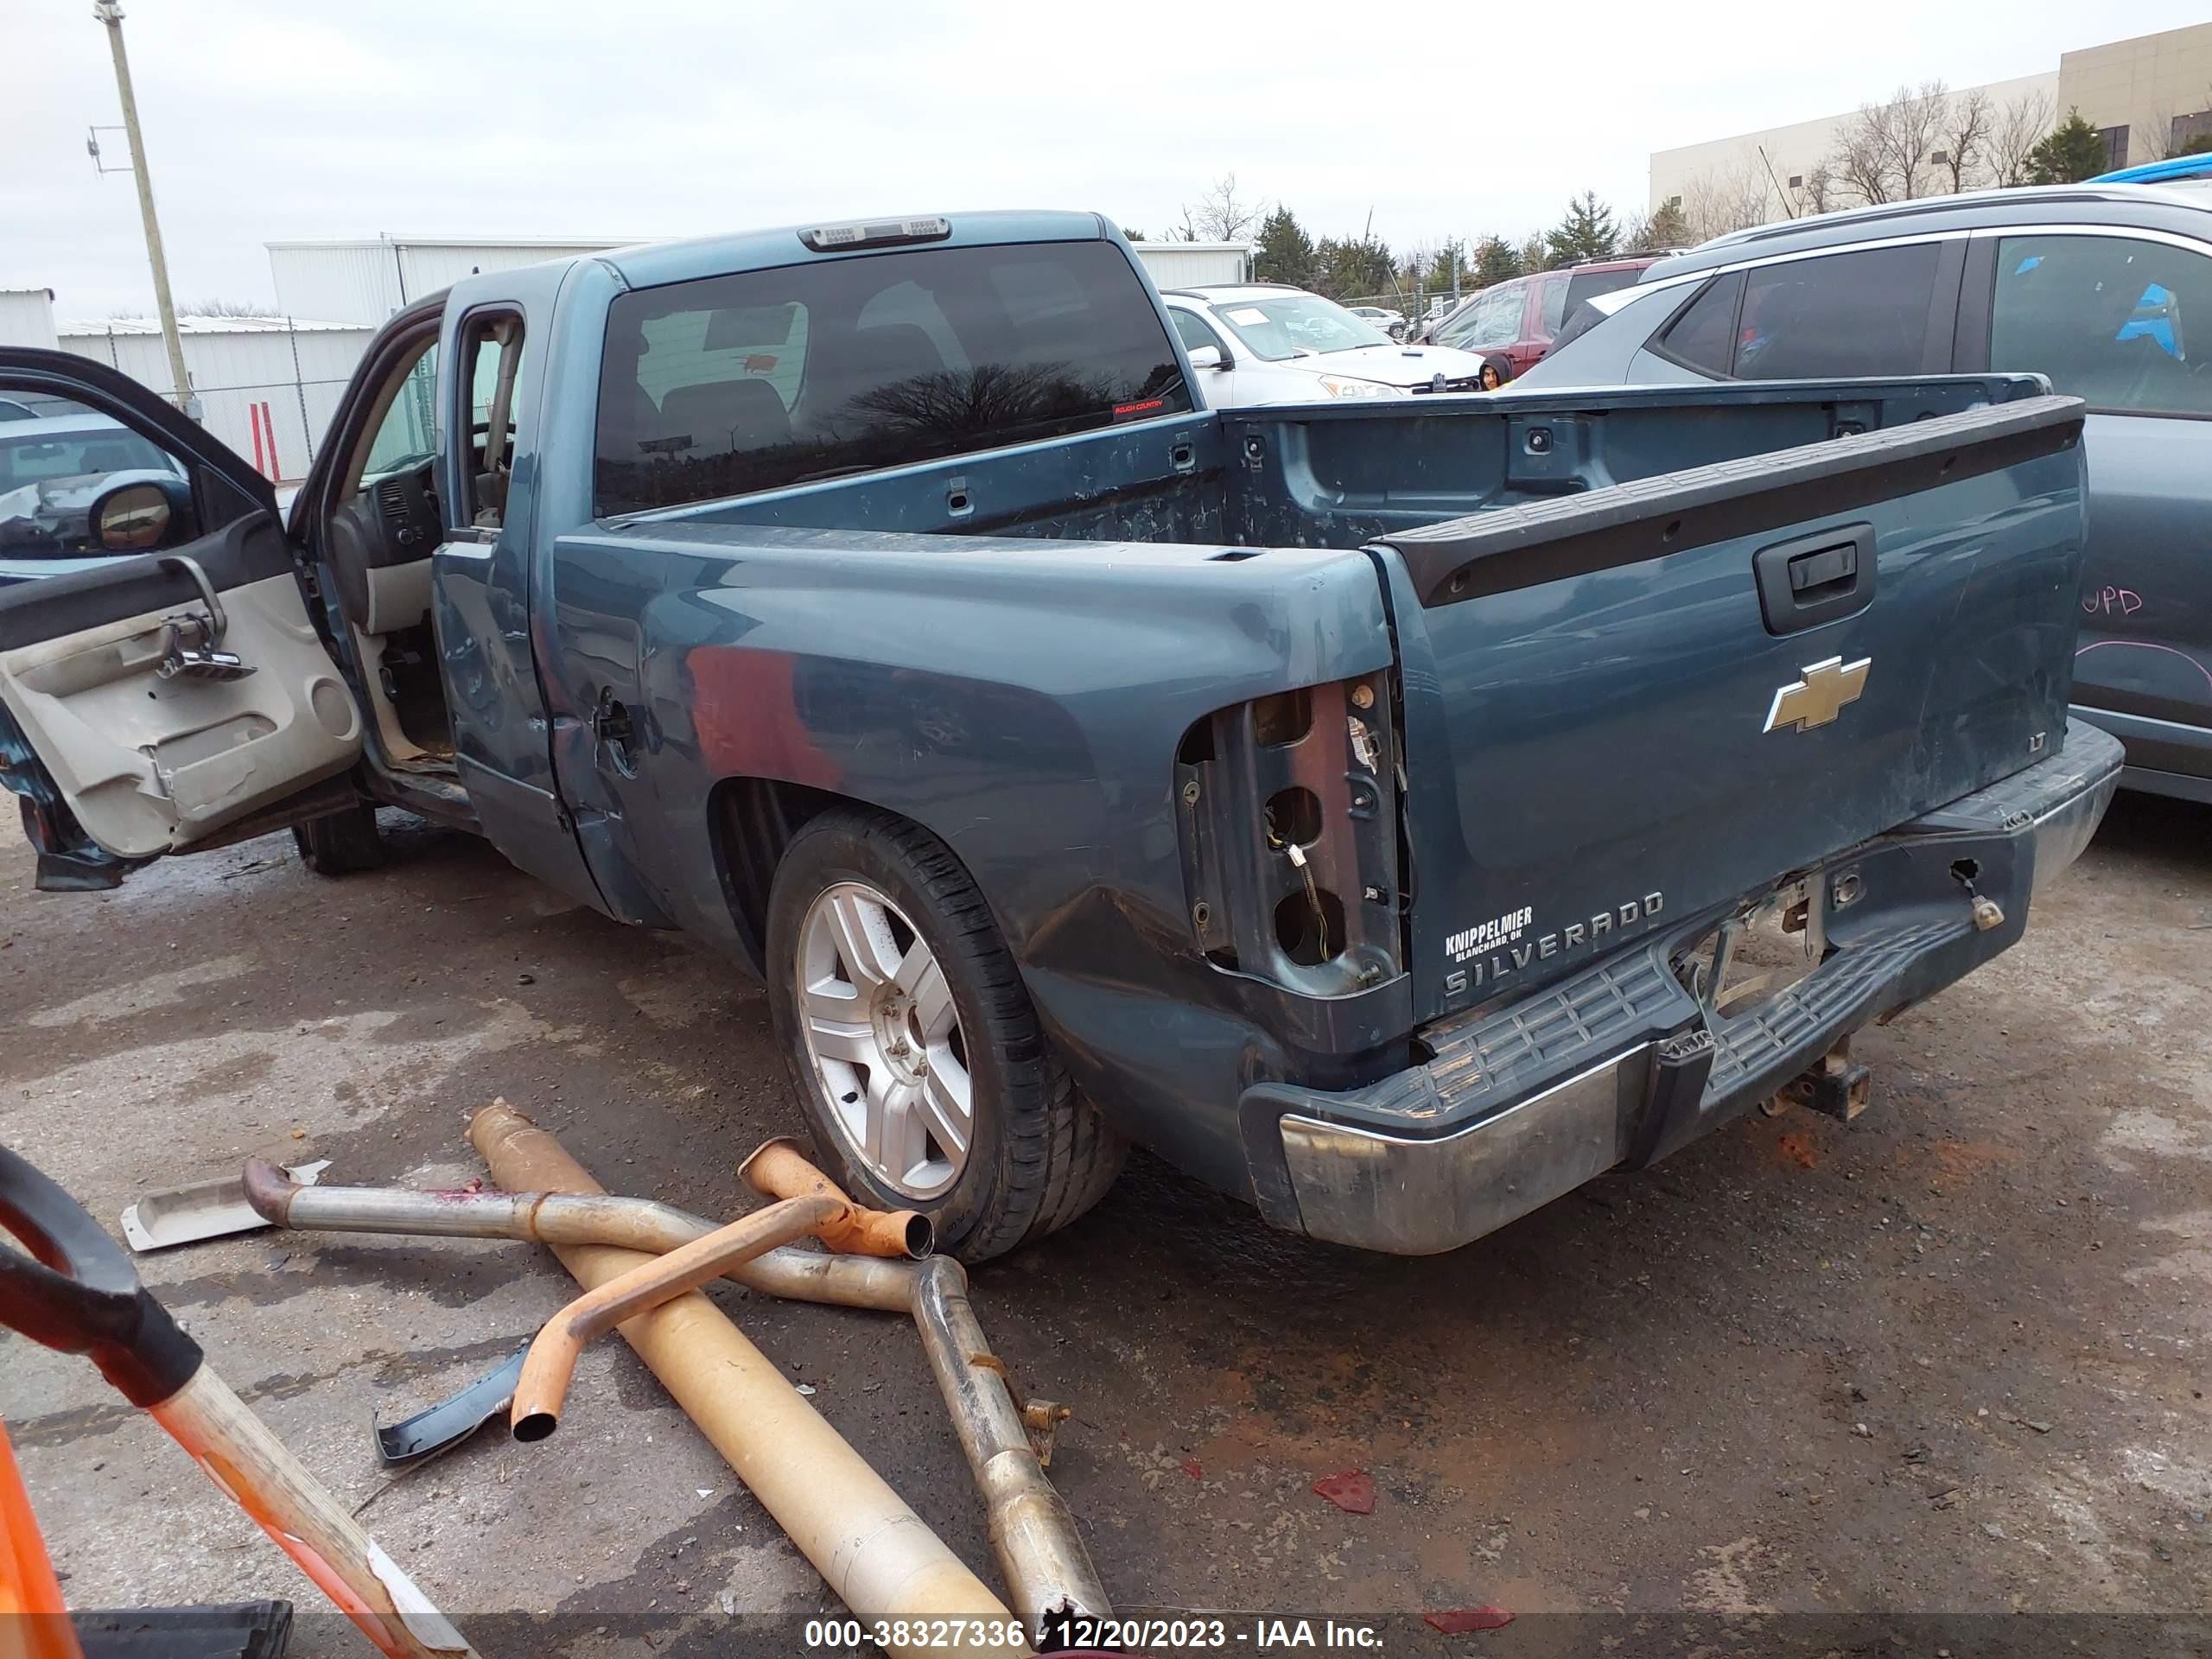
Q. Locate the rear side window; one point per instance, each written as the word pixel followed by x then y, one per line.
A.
pixel 1704 337
pixel 1842 315
pixel 1555 304
pixel 2124 322
pixel 491 349
pixel 1588 285
pixel 765 379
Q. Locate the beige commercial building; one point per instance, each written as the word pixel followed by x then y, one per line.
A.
pixel 2146 97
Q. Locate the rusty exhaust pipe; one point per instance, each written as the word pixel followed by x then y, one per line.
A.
pixel 551 1362
pixel 1033 1530
pixel 1034 1534
pixel 780 1170
pixel 820 1211
pixel 875 1553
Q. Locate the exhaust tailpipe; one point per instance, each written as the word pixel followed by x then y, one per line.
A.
pixel 778 1169
pixel 551 1361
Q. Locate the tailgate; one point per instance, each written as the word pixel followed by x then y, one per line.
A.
pixel 1630 705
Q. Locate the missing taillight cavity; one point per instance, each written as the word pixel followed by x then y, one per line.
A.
pixel 1286 811
pixel 1310 925
pixel 1294 817
pixel 1281 720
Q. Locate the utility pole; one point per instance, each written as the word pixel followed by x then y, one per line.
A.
pixel 111 14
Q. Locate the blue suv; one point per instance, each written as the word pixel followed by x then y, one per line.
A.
pixel 2106 287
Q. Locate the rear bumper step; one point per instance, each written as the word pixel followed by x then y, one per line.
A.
pixel 1620 1065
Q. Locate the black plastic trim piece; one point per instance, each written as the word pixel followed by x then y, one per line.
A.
pixel 241 1629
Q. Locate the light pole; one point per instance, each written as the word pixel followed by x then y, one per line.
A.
pixel 111 14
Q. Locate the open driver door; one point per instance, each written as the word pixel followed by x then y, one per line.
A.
pixel 166 692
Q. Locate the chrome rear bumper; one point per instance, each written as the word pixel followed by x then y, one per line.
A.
pixel 1621 1065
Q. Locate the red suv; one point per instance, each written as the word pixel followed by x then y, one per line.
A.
pixel 1519 319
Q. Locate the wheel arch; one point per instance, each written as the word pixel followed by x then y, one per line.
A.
pixel 752 820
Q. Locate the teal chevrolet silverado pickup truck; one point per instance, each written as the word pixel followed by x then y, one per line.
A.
pixel 1371 806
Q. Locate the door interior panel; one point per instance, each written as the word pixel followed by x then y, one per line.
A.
pixel 250 550
pixel 152 764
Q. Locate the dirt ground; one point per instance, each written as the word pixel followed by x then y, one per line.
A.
pixel 1950 1358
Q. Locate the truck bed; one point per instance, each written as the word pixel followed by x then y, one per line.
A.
pixel 1567 589
pixel 1342 475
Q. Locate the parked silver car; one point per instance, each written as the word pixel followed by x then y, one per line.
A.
pixel 2105 288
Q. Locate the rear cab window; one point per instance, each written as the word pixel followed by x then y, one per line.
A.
pixel 730 384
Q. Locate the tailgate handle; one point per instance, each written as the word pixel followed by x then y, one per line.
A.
pixel 1809 580
pixel 1811 574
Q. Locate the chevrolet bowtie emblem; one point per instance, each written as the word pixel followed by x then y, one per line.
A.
pixel 1820 697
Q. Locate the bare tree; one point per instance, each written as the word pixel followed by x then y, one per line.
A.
pixel 1727 199
pixel 1220 215
pixel 1817 194
pixel 1884 152
pixel 2015 130
pixel 226 308
pixel 1967 118
pixel 1860 163
pixel 2152 140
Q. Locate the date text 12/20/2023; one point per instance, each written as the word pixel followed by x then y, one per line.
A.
pixel 1079 1634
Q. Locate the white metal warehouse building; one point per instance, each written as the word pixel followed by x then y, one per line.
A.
pixel 26 317
pixel 367 280
pixel 267 385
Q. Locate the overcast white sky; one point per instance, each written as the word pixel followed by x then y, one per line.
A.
pixel 267 120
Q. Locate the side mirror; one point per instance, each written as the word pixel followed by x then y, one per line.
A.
pixel 131 519
pixel 1211 357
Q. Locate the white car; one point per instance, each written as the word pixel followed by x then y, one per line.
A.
pixel 1261 343
pixel 1392 323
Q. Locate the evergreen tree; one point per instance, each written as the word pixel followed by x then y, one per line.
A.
pixel 1286 252
pixel 1345 268
pixel 2071 152
pixel 1586 233
pixel 1495 261
pixel 1448 262
pixel 1666 228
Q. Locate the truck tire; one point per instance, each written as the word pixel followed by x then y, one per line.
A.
pixel 340 843
pixel 879 1054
